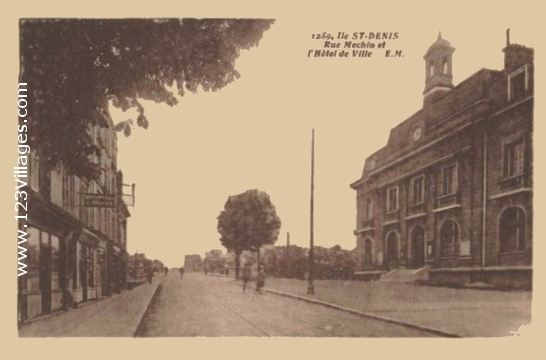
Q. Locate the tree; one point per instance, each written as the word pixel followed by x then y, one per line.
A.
pixel 248 221
pixel 215 261
pixel 75 68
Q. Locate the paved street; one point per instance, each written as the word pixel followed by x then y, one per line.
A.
pixel 208 305
pixel 200 305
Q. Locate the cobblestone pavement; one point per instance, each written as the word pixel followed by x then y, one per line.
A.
pixel 116 316
pixel 200 305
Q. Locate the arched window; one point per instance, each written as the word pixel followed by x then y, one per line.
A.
pixel 431 68
pixel 512 230
pixel 449 235
pixel 444 65
pixel 368 255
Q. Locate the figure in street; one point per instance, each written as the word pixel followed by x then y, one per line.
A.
pixel 150 275
pixel 181 270
pixel 261 280
pixel 245 276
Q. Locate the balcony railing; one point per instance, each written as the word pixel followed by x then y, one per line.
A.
pixel 515 183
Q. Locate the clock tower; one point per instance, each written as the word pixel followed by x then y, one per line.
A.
pixel 438 70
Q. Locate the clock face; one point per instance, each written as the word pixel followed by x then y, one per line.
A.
pixel 417 133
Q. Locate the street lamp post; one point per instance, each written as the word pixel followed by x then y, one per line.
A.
pixel 311 286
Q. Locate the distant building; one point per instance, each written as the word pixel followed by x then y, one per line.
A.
pixel 193 263
pixel 452 190
pixel 77 233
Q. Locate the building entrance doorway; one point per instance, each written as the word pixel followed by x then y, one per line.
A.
pixel 417 248
pixel 45 275
pixel 392 249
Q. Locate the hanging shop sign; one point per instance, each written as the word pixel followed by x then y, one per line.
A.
pixel 98 200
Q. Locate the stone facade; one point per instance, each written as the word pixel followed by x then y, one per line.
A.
pixel 452 189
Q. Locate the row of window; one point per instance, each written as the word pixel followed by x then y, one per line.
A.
pixel 449 181
pixel 65 189
pixel 513 166
pixel 511 238
pixel 44 263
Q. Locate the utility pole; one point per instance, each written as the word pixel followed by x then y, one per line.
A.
pixel 311 286
pixel 287 256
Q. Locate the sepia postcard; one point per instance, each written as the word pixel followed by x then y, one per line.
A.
pixel 197 174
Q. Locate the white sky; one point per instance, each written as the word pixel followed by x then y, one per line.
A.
pixel 256 132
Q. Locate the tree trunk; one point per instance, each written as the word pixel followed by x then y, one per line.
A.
pixel 259 264
pixel 237 264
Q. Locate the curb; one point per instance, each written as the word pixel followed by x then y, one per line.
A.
pixel 140 322
pixel 366 314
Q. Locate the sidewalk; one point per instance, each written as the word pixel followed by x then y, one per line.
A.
pixel 460 312
pixel 116 316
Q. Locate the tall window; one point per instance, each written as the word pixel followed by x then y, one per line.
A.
pixel 91 267
pixel 34 171
pixel 72 258
pixel 449 179
pixel 368 209
pixel 81 189
pixel 392 199
pixel 449 235
pixel 105 225
pixel 33 259
pixel 55 263
pixel 101 267
pixel 69 192
pixel 50 260
pixel 513 158
pixel 444 65
pixel 517 83
pixel 512 230
pixel 368 248
pixel 91 210
pixel 431 68
pixel 82 258
pixel 417 191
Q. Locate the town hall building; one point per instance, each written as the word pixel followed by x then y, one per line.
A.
pixel 451 194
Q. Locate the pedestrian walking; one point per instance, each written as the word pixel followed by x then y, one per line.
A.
pixel 261 280
pixel 181 270
pixel 245 276
pixel 150 275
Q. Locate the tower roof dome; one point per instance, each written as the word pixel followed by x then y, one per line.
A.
pixel 440 43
